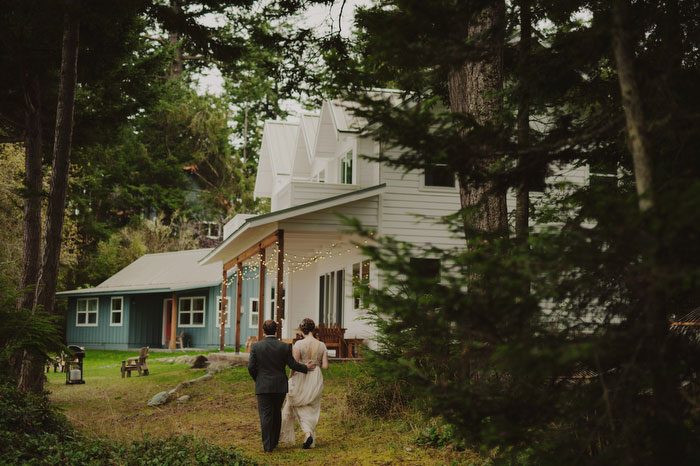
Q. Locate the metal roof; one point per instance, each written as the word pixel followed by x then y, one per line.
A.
pixel 294 211
pixel 162 272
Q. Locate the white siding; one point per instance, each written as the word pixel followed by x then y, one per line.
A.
pixel 410 212
pixel 367 171
pixel 303 192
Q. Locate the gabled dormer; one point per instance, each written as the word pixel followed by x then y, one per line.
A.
pixel 276 156
pixel 320 160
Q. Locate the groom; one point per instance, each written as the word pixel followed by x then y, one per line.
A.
pixel 266 365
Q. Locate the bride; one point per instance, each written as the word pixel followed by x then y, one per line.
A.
pixel 304 398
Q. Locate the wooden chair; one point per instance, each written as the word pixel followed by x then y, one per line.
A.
pixel 332 336
pixel 136 363
pixel 179 341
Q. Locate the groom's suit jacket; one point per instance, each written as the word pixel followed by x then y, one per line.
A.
pixel 266 365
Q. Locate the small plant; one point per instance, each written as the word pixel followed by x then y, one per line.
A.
pixel 440 435
pixel 375 398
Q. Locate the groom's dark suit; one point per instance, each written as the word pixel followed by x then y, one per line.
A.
pixel 266 365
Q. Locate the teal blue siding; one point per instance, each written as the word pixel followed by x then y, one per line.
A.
pixel 249 290
pixel 146 320
pixel 102 336
pixel 142 319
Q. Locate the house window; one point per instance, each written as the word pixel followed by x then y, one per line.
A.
pixel 603 173
pixel 86 312
pixel 536 181
pixel 254 313
pixel 228 312
pixel 360 277
pixel 330 297
pixel 427 268
pixel 115 319
pixel 439 175
pixel 191 311
pixel 346 169
pixel 211 229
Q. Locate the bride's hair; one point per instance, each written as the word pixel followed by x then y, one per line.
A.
pixel 307 325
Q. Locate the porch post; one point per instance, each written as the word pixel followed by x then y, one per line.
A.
pixel 223 311
pixel 280 286
pixel 261 295
pixel 173 322
pixel 239 296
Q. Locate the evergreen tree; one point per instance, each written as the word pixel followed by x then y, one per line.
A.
pixel 557 350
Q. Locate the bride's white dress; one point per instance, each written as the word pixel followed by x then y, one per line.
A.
pixel 303 403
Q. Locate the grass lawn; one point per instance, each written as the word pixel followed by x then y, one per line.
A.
pixel 223 411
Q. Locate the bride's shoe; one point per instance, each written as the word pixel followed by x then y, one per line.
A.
pixel 307 443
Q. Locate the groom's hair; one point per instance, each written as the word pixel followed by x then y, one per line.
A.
pixel 269 327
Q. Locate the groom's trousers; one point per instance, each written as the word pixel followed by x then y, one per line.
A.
pixel 270 412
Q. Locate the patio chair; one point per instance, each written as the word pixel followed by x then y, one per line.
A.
pixel 179 341
pixel 333 337
pixel 136 363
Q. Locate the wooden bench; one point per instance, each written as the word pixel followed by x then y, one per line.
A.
pixel 354 347
pixel 136 363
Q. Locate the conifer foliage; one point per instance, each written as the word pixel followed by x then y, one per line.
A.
pixel 556 346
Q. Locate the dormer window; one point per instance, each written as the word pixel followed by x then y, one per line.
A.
pixel 346 169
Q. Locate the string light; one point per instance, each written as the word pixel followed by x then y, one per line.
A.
pixel 294 264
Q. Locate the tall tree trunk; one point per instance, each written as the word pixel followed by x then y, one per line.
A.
pixel 31 250
pixel 31 373
pixel 667 412
pixel 471 89
pixel 522 197
pixel 637 139
pixel 177 66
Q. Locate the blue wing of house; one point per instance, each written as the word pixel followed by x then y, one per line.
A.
pixel 132 308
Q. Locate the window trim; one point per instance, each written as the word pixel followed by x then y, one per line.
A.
pixel 251 314
pixel 331 295
pixel 228 311
pixel 350 154
pixel 191 312
pixel 356 280
pixel 437 188
pixel 86 312
pixel 120 311
pixel 208 226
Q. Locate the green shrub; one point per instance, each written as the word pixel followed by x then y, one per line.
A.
pixel 440 435
pixel 374 397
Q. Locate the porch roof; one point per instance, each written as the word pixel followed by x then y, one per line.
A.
pixel 219 254
pixel 159 273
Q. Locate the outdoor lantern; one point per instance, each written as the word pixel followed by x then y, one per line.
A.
pixel 74 366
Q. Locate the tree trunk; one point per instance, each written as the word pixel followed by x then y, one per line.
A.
pixel 177 66
pixel 471 89
pixel 667 412
pixel 31 250
pixel 31 373
pixel 637 139
pixel 522 197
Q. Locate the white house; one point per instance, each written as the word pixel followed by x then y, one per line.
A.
pixel 311 170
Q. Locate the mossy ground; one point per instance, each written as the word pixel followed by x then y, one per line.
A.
pixel 223 411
